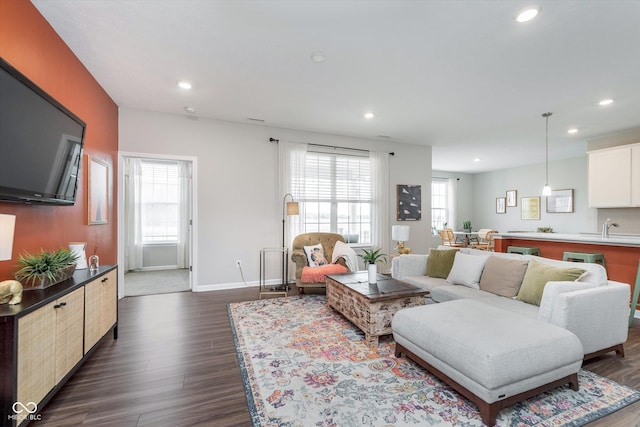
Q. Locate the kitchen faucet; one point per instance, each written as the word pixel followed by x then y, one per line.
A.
pixel 606 226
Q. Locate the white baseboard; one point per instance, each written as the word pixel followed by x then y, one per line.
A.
pixel 236 285
pixel 163 267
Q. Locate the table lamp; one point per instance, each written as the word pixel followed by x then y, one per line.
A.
pixel 400 233
pixel 7 226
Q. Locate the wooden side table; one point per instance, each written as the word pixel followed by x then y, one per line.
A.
pixel 281 289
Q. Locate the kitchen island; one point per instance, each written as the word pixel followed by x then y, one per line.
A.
pixel 621 252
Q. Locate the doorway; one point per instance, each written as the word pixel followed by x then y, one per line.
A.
pixel 156 234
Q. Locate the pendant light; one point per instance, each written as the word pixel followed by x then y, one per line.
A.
pixel 546 191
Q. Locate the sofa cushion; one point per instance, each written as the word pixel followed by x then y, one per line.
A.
pixel 315 255
pixel 466 270
pixel 503 276
pixel 453 292
pixel 537 276
pixel 425 282
pixel 440 263
pixel 510 304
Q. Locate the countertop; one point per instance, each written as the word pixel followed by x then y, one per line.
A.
pixel 588 238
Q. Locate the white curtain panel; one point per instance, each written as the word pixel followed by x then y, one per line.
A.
pixel 380 192
pixel 292 159
pixel 133 217
pixel 184 233
pixel 452 202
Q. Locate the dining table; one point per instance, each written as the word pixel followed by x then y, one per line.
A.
pixel 466 236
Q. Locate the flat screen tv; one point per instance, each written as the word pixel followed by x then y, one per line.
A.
pixel 40 143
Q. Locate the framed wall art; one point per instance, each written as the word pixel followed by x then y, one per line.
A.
pixel 98 177
pixel 501 205
pixel 530 207
pixel 560 201
pixel 409 199
pixel 512 198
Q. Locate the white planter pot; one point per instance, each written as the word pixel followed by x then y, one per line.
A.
pixel 373 272
pixel 78 248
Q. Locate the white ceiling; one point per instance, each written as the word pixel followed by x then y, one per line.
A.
pixel 462 76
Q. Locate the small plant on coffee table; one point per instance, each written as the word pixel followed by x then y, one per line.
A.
pixel 372 256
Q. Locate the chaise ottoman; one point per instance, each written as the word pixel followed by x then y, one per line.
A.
pixel 493 357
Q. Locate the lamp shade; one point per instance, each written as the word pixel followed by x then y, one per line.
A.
pixel 7 225
pixel 400 233
pixel 292 208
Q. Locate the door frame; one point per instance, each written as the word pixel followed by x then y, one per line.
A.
pixel 193 251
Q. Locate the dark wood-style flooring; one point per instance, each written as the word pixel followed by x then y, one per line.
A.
pixel 174 364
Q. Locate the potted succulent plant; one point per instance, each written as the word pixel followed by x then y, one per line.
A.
pixel 46 268
pixel 370 258
pixel 466 226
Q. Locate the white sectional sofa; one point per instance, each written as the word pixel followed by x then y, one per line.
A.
pixel 592 307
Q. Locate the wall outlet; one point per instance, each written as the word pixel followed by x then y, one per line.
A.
pixel 238 263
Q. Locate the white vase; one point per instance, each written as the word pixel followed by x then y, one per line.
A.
pixel 77 248
pixel 373 273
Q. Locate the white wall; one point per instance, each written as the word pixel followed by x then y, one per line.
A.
pixel 238 201
pixel 528 181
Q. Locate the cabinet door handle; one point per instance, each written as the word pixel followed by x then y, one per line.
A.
pixel 104 280
pixel 62 304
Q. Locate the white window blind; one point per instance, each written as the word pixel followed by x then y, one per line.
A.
pixel 336 194
pixel 160 202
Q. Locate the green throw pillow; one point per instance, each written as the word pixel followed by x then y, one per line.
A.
pixel 537 276
pixel 440 262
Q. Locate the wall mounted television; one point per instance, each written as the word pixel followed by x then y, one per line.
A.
pixel 40 143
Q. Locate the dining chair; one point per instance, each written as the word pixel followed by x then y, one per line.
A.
pixel 448 238
pixel 485 239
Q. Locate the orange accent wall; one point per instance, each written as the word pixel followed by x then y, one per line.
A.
pixel 28 43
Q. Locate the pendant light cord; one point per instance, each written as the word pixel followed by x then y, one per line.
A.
pixel 546 144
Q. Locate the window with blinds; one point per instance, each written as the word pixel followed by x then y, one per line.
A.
pixel 160 202
pixel 336 194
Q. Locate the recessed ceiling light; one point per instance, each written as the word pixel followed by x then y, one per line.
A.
pixel 476 159
pixel 183 84
pixel 606 102
pixel 369 115
pixel 527 15
pixel 572 130
pixel 190 110
pixel 317 57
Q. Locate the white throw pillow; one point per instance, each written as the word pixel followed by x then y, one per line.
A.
pixel 467 270
pixel 315 255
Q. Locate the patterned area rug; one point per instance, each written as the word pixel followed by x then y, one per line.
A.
pixel 305 365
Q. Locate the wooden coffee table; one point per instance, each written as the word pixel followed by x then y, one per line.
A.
pixel 371 307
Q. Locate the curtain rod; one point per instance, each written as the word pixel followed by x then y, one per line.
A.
pixel 333 146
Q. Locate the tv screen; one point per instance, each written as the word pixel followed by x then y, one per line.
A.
pixel 40 143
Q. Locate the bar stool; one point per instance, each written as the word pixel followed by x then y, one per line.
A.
pixel 523 250
pixel 636 292
pixel 583 257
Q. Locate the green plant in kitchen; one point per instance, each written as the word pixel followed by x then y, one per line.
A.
pixel 48 266
pixel 466 225
pixel 371 256
pixel 545 230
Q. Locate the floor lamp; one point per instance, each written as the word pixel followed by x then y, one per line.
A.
pixel 288 208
